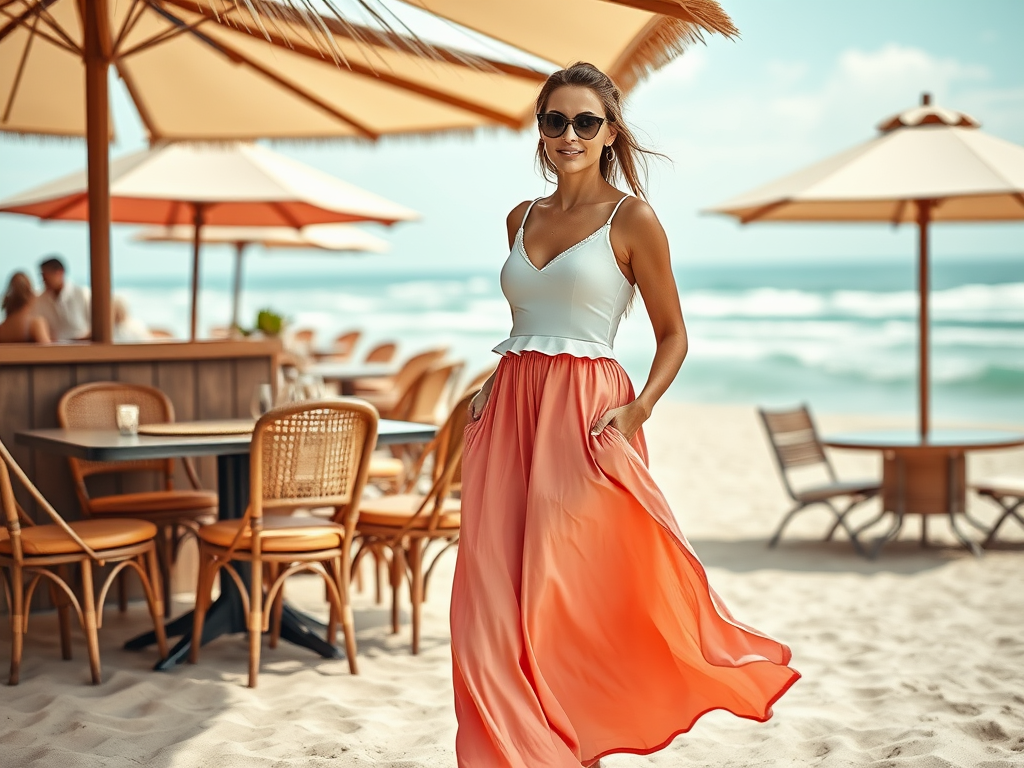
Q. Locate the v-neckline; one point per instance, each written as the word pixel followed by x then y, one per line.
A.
pixel 566 252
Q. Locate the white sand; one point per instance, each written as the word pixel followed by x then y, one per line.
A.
pixel 914 660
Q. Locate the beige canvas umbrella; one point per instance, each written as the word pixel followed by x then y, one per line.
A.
pixel 344 238
pixel 928 164
pixel 228 184
pixel 234 69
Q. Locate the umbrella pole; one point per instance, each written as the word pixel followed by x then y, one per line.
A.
pixel 924 342
pixel 98 153
pixel 198 224
pixel 239 254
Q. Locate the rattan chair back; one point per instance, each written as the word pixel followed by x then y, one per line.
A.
pixel 344 345
pixel 426 397
pixel 795 443
pixel 382 353
pixel 94 406
pixel 312 454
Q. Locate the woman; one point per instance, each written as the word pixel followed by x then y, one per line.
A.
pixel 19 324
pixel 582 622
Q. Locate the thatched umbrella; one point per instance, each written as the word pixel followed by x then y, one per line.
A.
pixel 244 69
pixel 928 164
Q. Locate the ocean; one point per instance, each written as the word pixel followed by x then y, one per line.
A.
pixel 841 337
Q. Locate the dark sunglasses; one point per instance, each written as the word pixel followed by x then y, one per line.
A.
pixel 554 124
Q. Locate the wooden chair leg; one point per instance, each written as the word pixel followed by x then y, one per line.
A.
pixel 60 600
pixel 204 590
pixel 166 540
pixel 17 622
pixel 348 625
pixel 156 608
pixel 92 640
pixel 379 564
pixel 397 578
pixel 255 620
pixel 416 588
pixel 122 592
pixel 277 609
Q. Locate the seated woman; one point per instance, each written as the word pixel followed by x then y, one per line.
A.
pixel 20 324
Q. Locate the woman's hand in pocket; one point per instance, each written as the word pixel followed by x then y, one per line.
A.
pixel 627 419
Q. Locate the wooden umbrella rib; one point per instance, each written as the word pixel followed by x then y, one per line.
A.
pixel 302 93
pixel 61 32
pixel 21 70
pixel 163 37
pixel 135 13
pixel 140 104
pixel 72 201
pixel 366 36
pixel 18 21
pixel 367 71
pixel 764 210
pixel 286 215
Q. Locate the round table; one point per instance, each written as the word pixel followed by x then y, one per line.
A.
pixel 925 476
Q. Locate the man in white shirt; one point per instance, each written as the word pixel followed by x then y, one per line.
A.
pixel 65 306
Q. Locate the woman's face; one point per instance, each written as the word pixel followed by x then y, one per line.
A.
pixel 568 152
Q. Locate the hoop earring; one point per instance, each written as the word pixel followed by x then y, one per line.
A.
pixel 609 153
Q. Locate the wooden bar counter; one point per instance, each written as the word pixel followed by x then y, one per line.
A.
pixel 205 380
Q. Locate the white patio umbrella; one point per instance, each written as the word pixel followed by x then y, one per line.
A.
pixel 342 238
pixel 929 164
pixel 226 184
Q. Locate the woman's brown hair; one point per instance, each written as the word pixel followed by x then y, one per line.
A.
pixel 628 159
pixel 19 293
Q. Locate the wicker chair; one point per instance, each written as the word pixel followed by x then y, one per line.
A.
pixel 1008 494
pixel 343 348
pixel 386 392
pixel 406 524
pixel 37 552
pixel 382 353
pixel 795 444
pixel 176 513
pixel 310 454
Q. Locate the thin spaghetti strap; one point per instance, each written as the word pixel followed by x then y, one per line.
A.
pixel 614 210
pixel 525 215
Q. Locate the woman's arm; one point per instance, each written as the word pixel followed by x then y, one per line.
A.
pixel 512 223
pixel 641 238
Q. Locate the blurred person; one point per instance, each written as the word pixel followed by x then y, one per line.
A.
pixel 20 323
pixel 66 306
pixel 582 622
pixel 126 327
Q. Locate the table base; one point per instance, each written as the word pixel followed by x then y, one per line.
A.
pixel 926 483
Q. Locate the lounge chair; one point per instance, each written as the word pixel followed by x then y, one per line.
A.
pixel 795 444
pixel 1008 494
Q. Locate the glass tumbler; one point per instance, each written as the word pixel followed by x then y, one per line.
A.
pixel 127 416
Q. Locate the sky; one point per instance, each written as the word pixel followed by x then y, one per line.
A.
pixel 806 79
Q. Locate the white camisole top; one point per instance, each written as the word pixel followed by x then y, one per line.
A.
pixel 571 306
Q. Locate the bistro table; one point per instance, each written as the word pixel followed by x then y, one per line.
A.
pixel 227 614
pixel 346 374
pixel 925 476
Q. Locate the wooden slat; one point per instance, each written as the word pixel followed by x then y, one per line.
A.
pixel 15 415
pixel 249 374
pixel 51 472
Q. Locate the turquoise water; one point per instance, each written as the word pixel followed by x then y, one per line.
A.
pixel 842 337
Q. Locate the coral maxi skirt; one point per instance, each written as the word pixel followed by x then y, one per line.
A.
pixel 582 622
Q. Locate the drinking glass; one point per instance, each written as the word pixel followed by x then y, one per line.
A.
pixel 262 400
pixel 127 417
